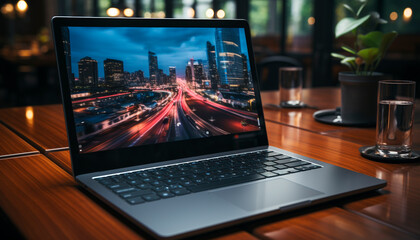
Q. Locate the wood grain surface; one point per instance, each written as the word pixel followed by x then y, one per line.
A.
pixel 12 145
pixel 44 203
pixel 399 203
pixel 42 126
pixel 237 236
pixel 62 159
pixel 333 223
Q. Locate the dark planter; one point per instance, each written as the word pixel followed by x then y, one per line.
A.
pixel 359 97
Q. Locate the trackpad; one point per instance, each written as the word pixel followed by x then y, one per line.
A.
pixel 267 194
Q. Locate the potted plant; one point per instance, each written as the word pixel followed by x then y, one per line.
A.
pixel 359 85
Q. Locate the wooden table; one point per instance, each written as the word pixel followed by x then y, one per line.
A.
pixel 41 126
pixel 12 145
pixel 41 199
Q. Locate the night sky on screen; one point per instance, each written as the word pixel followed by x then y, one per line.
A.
pixel 172 46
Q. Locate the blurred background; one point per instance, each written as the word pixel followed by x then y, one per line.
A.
pixel 300 29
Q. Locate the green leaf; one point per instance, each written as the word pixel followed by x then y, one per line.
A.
pixel 361 9
pixel 369 55
pixel 347 49
pixel 346 25
pixel 336 55
pixel 387 40
pixel 372 39
pixel 346 6
pixel 349 62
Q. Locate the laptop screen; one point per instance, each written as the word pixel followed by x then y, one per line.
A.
pixel 134 86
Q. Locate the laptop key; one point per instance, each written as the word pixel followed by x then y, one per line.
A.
pixel 144 186
pixel 165 194
pixel 286 160
pixel 135 182
pixel 272 154
pixel 270 168
pixel 225 182
pixel 269 163
pixel 307 167
pixel 280 157
pixel 180 191
pixel 281 172
pixel 160 177
pixel 295 164
pixel 147 179
pixel 269 174
pixel 117 179
pixel 280 166
pixel 118 186
pixel 187 183
pixel 105 181
pixel 144 174
pixel 135 193
pixel 160 189
pixel 122 190
pixel 135 200
pixel 271 159
pixel 175 186
pixel 151 197
pixel 157 183
pixel 292 170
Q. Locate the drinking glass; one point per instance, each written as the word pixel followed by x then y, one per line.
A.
pixel 290 86
pixel 395 116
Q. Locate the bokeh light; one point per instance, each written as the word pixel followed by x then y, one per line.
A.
pixel 221 14
pixel 113 12
pixel 210 13
pixel 128 12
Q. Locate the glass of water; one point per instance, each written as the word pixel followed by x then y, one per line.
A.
pixel 395 118
pixel 290 86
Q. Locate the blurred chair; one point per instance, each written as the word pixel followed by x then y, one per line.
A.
pixel 268 70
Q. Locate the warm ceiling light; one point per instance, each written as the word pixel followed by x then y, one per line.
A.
pixel 221 13
pixel 408 12
pixel 191 12
pixel 113 12
pixel 22 6
pixel 128 12
pixel 393 16
pixel 210 13
pixel 7 8
pixel 311 20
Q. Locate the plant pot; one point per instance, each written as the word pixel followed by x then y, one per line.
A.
pixel 359 97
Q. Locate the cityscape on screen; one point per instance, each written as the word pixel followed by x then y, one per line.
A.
pixel 137 86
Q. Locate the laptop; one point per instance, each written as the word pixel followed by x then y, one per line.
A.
pixel 165 124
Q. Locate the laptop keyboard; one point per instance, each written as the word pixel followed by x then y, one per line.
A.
pixel 175 180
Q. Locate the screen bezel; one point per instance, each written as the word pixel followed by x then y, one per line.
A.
pixel 127 157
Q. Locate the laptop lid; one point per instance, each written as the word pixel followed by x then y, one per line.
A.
pixel 138 91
